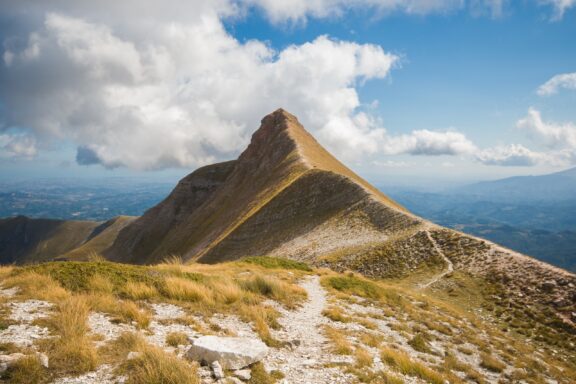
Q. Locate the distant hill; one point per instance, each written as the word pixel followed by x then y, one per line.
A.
pixel 552 187
pixel 535 215
pixel 25 240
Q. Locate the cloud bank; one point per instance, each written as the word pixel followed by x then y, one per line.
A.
pixel 173 88
pixel 186 93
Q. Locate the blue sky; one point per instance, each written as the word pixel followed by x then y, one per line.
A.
pixel 448 93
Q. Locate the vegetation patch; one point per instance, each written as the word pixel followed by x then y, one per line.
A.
pixel 491 363
pixel 27 370
pixel 277 263
pixel 420 344
pixel 154 366
pixel 340 345
pixel 260 376
pixel 401 362
pixel 175 339
pixel 77 276
pixel 72 352
pixel 354 285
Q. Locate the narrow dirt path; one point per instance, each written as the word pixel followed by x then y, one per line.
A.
pixel 305 361
pixel 449 266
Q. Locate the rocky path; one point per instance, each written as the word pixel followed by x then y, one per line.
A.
pixel 304 362
pixel 449 266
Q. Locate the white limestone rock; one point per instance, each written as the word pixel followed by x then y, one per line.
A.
pixel 232 352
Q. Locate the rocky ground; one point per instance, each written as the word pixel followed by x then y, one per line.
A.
pixel 347 330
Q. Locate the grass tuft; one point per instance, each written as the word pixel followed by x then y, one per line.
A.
pixel 27 370
pixel 139 291
pixel 491 363
pixel 72 352
pixel 174 339
pixel 340 345
pixel 178 288
pixel 155 366
pixel 260 376
pixel 38 286
pixel 401 362
pixel 277 263
pixel 420 344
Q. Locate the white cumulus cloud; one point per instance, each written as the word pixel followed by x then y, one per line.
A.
pixel 557 139
pixel 180 94
pixel 553 135
pixel 552 86
pixel 510 155
pixel 432 143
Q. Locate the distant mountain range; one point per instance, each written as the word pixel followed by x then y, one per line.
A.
pixel 535 215
pixel 560 186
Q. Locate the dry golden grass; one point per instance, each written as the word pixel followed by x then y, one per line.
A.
pixel 175 339
pixel 371 339
pixel 363 358
pixel 154 366
pixel 178 288
pixel 491 363
pixel 27 370
pixel 125 311
pixel 262 318
pixel 37 286
pixel 340 345
pixel 271 287
pixel 99 283
pixel 139 291
pixel 116 350
pixel 72 351
pixel 335 313
pixel 402 362
pixel 5 270
pixel 226 291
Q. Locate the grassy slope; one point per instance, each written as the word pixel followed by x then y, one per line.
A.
pixel 101 241
pixel 30 240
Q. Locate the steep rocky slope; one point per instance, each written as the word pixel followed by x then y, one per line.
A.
pixel 281 188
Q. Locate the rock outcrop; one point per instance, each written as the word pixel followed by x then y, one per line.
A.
pixel 229 352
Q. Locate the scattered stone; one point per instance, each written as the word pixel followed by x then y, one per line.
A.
pixel 232 352
pixel 232 380
pixel 6 361
pixel 133 355
pixel 217 370
pixel 294 343
pixel 104 374
pixel 102 324
pixel 243 374
pixel 29 310
pixel 23 335
pixel 10 292
pixel 167 311
pixel 43 359
pixel 548 285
